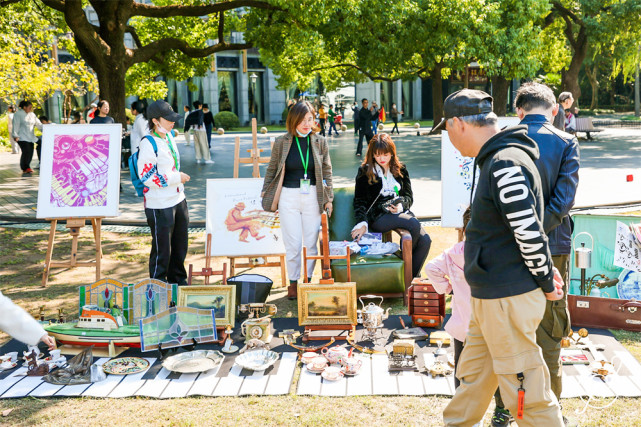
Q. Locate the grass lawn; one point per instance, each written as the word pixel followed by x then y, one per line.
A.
pixel 125 258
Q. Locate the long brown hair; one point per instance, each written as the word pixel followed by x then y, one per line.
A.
pixel 381 144
pixel 297 114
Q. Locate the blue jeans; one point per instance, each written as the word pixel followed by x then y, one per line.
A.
pixel 332 125
pixel 208 132
pixel 375 126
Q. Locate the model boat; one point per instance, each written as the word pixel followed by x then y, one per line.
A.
pixel 96 326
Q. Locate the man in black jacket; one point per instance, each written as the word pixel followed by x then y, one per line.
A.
pixel 365 125
pixel 508 267
pixel 558 166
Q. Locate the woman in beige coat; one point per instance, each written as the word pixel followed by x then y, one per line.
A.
pixel 298 184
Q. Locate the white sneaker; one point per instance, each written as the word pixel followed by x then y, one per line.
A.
pixel 198 160
pixel 209 161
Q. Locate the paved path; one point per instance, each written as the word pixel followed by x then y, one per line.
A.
pixel 605 164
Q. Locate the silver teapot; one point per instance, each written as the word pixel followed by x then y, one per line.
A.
pixel 373 315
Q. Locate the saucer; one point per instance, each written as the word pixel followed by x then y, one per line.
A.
pixel 325 376
pixel 13 365
pixel 350 374
pixel 311 369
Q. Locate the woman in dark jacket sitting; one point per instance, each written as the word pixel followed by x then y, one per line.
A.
pixel 383 197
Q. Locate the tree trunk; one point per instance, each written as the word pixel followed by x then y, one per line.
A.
pixel 111 84
pixel 500 87
pixel 437 92
pixel 570 78
pixel 594 84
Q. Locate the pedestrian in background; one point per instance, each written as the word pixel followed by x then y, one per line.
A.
pixel 374 117
pixel 91 112
pixel 15 148
pixel 322 118
pixel 45 121
pixel 196 121
pixel 140 127
pixel 186 132
pixel 365 125
pixel 102 118
pixel 355 111
pixel 393 113
pixel 208 120
pixel 24 122
pixel 332 124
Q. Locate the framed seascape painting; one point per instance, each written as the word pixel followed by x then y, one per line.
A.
pixel 456 178
pixel 327 304
pixel 79 171
pixel 237 222
pixel 220 298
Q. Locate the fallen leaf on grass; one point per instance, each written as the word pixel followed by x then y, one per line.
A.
pixel 6 412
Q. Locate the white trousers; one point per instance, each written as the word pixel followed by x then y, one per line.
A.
pixel 187 136
pixel 299 222
pixel 200 144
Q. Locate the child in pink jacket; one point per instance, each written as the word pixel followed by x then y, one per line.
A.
pixel 446 275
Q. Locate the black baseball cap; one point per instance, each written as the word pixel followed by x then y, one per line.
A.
pixel 162 109
pixel 465 102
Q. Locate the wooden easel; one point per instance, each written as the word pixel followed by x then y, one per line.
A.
pixel 74 225
pixel 337 332
pixel 254 152
pixel 207 271
pixel 256 160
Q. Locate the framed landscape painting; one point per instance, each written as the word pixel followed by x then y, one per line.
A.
pixel 220 298
pixel 236 219
pixel 327 304
pixel 79 171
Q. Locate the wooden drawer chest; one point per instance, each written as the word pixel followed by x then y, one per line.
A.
pixel 426 306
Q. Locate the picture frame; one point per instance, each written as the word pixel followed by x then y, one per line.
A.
pixel 237 221
pixel 80 171
pixel 327 304
pixel 221 298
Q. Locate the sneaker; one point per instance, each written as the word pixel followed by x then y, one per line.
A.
pixel 197 160
pixel 28 170
pixel 209 161
pixel 501 417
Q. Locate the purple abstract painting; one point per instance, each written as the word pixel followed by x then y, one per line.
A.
pixel 80 170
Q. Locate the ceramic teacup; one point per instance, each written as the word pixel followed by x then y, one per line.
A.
pixel 7 364
pixel 351 365
pixel 55 354
pixel 307 357
pixel 12 356
pixel 332 373
pixel 319 362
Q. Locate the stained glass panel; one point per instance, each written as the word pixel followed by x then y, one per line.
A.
pixel 105 293
pixel 149 297
pixel 177 326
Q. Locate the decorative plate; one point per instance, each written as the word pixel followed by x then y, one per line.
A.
pixel 194 361
pixel 125 366
pixel 257 360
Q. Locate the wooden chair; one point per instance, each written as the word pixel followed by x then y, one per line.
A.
pixel 325 257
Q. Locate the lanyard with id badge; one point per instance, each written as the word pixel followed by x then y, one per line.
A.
pixel 305 184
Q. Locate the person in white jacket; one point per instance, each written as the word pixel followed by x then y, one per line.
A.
pixel 140 126
pixel 24 121
pixel 164 196
pixel 21 326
